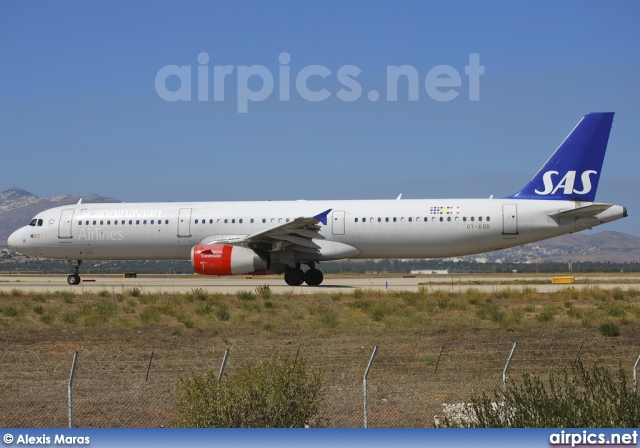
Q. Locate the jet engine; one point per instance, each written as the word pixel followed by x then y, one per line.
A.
pixel 225 259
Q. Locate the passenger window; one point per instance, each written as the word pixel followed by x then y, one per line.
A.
pixel 410 219
pixel 356 220
pixel 464 219
pixel 130 221
pixel 449 218
pixel 441 219
pixel 488 218
pixel 137 221
pixel 379 219
pixel 196 221
pixel 109 222
pixel 426 219
pixel 457 219
pixel 395 219
pixel 166 221
pixel 386 219
pixel 240 220
pixel 479 218
pixel 115 223
pixel 472 218
pixel 34 223
pixel 287 220
pixel 364 219
pixel 144 222
pixel 233 221
pixel 101 222
pixel 264 220
pixel 226 220
pixel 87 222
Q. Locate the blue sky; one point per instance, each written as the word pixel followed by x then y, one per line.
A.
pixel 80 112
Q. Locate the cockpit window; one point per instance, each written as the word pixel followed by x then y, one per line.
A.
pixel 33 222
pixel 39 222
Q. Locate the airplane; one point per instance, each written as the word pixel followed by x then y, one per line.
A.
pixel 275 237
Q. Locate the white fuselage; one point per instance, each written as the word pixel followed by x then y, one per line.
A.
pixel 429 228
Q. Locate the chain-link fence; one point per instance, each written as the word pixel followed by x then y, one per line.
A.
pixel 406 387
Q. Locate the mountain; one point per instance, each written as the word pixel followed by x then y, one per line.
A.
pixel 18 206
pixel 599 247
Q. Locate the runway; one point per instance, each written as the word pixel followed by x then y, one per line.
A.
pixel 331 284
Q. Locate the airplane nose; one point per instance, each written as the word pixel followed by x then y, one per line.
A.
pixel 13 240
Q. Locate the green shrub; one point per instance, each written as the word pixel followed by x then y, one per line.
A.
pixel 135 292
pixel 579 398
pixel 197 294
pixel 273 394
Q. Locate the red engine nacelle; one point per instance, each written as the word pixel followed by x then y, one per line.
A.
pixel 224 259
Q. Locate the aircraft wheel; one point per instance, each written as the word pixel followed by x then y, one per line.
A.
pixel 294 277
pixel 73 279
pixel 313 277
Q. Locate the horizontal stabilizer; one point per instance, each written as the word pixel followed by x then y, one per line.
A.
pixel 582 212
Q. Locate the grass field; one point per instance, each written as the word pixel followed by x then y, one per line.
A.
pixel 412 376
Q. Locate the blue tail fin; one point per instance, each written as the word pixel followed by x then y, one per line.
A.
pixel 573 171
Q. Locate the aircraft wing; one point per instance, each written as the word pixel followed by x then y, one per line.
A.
pixel 582 212
pixel 300 232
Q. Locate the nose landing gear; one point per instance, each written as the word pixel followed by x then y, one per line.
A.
pixel 74 279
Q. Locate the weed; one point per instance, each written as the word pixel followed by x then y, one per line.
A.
pixel 135 292
pixel 187 321
pixel 358 293
pixel 269 305
pixel 104 293
pixel 609 329
pixel 10 311
pixel 223 314
pixel 548 313
pixel 39 298
pixel 264 291
pixel 618 293
pixel 38 309
pixel 150 314
pixel 47 317
pixel 147 300
pixel 336 296
pixel 197 294
pixel 245 295
pixel 16 292
pixel 326 315
pixel 203 309
pixel 69 318
pixel 613 309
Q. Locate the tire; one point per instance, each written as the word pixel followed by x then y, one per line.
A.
pixel 313 277
pixel 294 277
pixel 73 279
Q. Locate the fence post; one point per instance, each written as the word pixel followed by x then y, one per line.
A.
pixel 224 362
pixel 364 383
pixel 149 367
pixel 438 361
pixel 506 367
pixel 635 375
pixel 70 388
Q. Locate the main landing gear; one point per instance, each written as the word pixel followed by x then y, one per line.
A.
pixel 74 279
pixel 296 276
